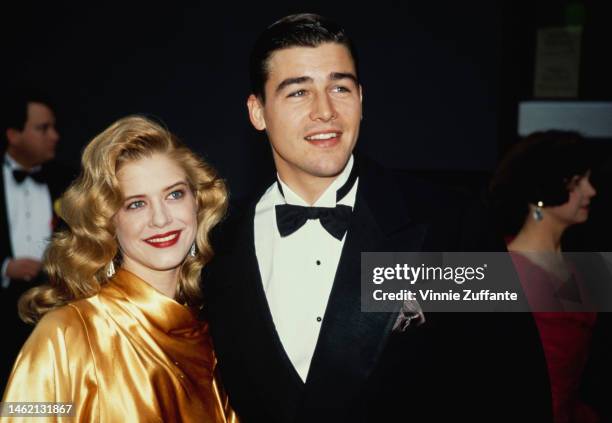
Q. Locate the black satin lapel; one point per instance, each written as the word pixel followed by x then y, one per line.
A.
pixel 5 242
pixel 350 340
pixel 251 329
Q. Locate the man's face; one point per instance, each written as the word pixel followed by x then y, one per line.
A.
pixel 311 112
pixel 35 144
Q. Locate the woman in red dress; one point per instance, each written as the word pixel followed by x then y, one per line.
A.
pixel 543 184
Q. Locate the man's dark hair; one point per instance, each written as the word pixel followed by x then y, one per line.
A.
pixel 15 108
pixel 538 168
pixel 301 30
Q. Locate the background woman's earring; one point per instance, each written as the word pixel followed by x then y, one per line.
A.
pixel 537 212
pixel 192 250
pixel 110 271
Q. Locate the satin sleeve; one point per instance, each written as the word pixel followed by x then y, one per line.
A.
pixel 56 365
pixel 223 399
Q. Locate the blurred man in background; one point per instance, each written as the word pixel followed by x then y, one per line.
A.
pixel 30 183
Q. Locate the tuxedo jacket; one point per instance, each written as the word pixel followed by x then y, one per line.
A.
pixel 455 366
pixel 58 179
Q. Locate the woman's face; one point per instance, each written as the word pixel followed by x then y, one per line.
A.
pixel 157 221
pixel 576 209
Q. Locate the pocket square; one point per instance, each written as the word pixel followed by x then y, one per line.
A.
pixel 410 314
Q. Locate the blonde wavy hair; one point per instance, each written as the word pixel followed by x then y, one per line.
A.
pixel 77 259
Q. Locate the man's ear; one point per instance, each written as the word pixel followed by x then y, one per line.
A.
pixel 12 135
pixel 256 113
pixel 361 99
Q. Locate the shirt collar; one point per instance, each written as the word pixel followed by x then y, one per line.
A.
pixel 13 165
pixel 328 198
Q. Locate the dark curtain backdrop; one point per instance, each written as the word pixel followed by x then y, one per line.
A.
pixel 441 79
pixel 430 72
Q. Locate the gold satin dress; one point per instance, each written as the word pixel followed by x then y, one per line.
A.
pixel 127 354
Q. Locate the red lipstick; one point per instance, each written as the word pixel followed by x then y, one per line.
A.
pixel 164 240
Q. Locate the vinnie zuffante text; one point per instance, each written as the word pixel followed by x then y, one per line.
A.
pixel 415 274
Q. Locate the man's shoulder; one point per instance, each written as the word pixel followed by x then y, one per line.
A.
pixel 423 197
pixel 456 219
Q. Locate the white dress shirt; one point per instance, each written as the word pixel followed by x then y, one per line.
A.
pixel 298 271
pixel 29 214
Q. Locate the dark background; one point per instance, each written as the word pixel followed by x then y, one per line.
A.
pixel 441 79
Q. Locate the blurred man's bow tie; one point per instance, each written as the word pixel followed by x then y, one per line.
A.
pixel 20 175
pixel 335 220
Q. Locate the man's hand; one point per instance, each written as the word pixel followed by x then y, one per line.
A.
pixel 23 268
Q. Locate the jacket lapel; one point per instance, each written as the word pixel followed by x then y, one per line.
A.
pixel 350 340
pixel 251 327
pixel 5 243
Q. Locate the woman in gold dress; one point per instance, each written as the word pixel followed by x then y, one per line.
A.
pixel 116 330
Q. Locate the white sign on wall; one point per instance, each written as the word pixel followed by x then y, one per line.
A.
pixel 557 64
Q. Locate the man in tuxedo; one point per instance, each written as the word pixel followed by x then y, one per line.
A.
pixel 30 182
pixel 283 292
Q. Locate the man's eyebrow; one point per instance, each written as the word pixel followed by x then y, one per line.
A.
pixel 291 81
pixel 335 76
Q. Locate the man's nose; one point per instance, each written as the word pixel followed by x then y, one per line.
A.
pixel 323 108
pixel 53 134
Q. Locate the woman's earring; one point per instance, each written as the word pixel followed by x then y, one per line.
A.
pixel 192 250
pixel 110 271
pixel 537 212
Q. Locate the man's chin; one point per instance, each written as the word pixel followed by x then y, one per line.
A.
pixel 317 165
pixel 329 168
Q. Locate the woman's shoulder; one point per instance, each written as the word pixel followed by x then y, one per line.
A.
pixel 55 358
pixel 70 318
pixel 60 333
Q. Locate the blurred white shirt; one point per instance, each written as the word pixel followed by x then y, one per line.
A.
pixel 29 213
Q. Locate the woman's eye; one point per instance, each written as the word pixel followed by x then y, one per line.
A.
pixel 175 195
pixel 136 205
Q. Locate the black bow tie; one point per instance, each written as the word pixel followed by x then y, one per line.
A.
pixel 335 220
pixel 20 175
